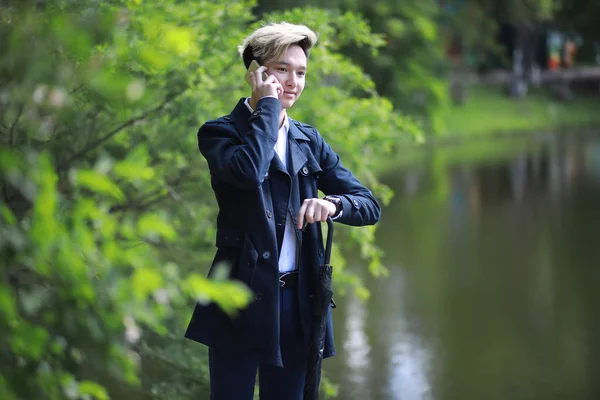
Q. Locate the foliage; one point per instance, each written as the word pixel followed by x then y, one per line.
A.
pixel 527 12
pixel 470 34
pixel 580 17
pixel 407 65
pixel 410 69
pixel 107 212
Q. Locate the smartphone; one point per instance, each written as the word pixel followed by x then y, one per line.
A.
pixel 254 65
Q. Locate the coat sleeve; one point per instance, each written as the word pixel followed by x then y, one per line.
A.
pixel 242 161
pixel 358 203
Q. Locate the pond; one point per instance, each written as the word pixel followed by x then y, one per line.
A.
pixel 493 252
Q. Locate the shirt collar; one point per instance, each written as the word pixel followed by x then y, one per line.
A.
pixel 286 121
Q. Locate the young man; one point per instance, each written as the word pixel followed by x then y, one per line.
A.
pixel 266 171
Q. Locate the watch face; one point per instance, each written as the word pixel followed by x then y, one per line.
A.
pixel 334 200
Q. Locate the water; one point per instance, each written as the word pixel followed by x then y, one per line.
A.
pixel 493 254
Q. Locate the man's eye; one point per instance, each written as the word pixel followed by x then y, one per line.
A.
pixel 301 73
pixel 281 69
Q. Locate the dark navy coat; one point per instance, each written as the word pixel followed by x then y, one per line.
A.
pixel 254 191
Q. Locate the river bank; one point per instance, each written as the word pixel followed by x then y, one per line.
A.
pixel 488 111
pixel 490 125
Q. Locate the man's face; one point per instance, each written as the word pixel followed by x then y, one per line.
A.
pixel 290 71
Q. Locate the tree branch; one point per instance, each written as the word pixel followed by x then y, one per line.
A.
pixel 14 126
pixel 183 370
pixel 169 185
pixel 99 141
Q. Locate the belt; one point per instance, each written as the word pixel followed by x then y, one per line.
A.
pixel 288 279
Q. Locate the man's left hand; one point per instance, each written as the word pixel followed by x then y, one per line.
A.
pixel 315 210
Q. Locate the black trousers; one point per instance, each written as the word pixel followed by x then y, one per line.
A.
pixel 233 375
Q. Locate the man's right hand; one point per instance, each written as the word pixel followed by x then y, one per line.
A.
pixel 269 87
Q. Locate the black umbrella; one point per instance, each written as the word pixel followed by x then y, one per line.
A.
pixel 321 301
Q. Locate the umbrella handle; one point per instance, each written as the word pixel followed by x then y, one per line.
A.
pixel 329 244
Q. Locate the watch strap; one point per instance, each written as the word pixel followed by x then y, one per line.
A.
pixel 338 204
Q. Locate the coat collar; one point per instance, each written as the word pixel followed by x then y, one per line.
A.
pixel 295 132
pixel 297 155
pixel 240 115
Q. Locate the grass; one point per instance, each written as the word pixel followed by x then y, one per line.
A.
pixel 489 114
pixel 488 111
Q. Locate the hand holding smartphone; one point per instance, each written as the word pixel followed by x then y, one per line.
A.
pixel 270 86
pixel 251 68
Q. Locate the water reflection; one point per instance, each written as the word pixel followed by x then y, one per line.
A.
pixel 383 354
pixel 357 348
pixel 410 356
pixel 493 279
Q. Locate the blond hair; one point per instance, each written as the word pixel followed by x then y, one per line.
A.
pixel 267 43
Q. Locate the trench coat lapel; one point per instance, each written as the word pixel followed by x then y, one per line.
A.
pixel 277 165
pixel 297 155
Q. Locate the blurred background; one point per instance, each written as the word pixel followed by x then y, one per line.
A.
pixel 475 123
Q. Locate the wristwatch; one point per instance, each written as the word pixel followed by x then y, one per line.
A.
pixel 338 204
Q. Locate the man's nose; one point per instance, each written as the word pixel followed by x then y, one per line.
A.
pixel 291 81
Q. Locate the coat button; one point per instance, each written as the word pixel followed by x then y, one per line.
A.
pixel 269 215
pixel 258 296
pixel 321 252
pixel 266 255
pixel 355 202
pixel 304 171
pixel 257 112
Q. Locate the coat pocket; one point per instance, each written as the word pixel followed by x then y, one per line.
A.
pixel 241 253
pixel 240 250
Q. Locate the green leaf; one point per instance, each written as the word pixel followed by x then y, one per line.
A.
pixel 73 38
pixel 135 166
pixel 9 161
pixel 153 226
pixel 145 281
pixel 109 83
pixel 152 58
pixel 98 183
pixel 70 386
pixel 93 389
pixel 7 215
pixel 231 296
pixel 179 40
pixel 5 392
pixel 7 305
pixel 29 341
pixel 133 171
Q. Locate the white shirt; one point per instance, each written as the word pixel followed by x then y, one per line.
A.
pixel 287 256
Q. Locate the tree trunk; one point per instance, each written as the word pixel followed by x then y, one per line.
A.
pixel 519 82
